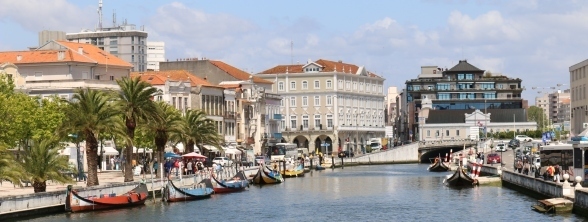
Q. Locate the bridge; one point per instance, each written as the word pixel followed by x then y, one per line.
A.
pixel 432 149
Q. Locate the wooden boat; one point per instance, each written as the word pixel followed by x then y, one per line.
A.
pixel 237 183
pixel 296 172
pixel 76 203
pixel 271 177
pixel 460 179
pixel 172 193
pixel 438 166
pixel 554 205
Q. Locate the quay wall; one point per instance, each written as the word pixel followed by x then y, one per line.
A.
pixel 537 185
pixel 402 154
pixel 581 201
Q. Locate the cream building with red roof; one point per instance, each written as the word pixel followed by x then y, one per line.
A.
pixel 60 67
pixel 328 105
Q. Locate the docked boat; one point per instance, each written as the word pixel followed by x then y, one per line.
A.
pixel 296 172
pixel 267 177
pixel 460 179
pixel 237 183
pixel 438 166
pixel 554 205
pixel 74 202
pixel 172 193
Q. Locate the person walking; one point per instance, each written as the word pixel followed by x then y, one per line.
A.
pixel 526 167
pixel 556 172
pixel 155 166
pixel 189 166
pixel 167 167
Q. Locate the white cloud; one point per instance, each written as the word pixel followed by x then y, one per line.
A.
pixel 37 15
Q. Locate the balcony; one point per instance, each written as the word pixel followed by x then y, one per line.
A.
pixel 40 85
pixel 229 115
pixel 277 117
pixel 433 90
pixel 445 79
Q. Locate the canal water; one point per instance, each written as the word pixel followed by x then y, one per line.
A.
pixel 405 192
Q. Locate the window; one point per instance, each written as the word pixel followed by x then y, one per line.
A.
pixel 490 95
pixel 446 132
pixel 283 124
pixel 305 101
pixel 329 101
pixel 348 85
pixel 340 84
pixel 292 85
pixel 317 121
pixel 443 86
pixel 111 78
pixel 330 121
pixel 329 84
pixel 293 122
pixel 443 96
pixel 428 132
pixel 437 133
pixel 354 85
pixel 174 102
pixel 185 102
pixel 486 85
pixel 416 88
pixel 132 58
pixel 317 84
pixel 457 132
pixel 281 86
pixel 305 122
pixel 282 103
pixel 292 101
pixel 304 84
pixel 317 100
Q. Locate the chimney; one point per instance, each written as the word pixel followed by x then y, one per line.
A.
pixel 81 50
pixel 18 58
pixel 60 55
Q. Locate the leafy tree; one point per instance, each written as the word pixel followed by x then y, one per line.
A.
pixel 167 122
pixel 198 129
pixel 134 102
pixel 536 114
pixel 42 162
pixel 91 113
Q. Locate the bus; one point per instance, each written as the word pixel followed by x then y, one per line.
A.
pixel 277 152
pixel 560 154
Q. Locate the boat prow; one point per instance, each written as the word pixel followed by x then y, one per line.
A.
pixel 235 184
pixel 438 166
pixel 76 203
pixel 263 177
pixel 460 179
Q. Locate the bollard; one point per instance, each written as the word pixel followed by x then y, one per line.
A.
pixel 310 163
pixel 342 162
pixel 283 164
pixel 332 161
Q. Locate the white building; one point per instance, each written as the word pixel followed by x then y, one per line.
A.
pixel 391 105
pixel 155 55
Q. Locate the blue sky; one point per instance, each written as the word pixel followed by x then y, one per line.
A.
pixel 534 40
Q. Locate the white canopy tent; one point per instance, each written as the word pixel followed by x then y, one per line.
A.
pixel 141 150
pixel 108 150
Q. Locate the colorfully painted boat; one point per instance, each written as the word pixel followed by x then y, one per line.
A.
pixel 76 203
pixel 438 166
pixel 296 172
pixel 172 193
pixel 271 177
pixel 235 184
pixel 460 179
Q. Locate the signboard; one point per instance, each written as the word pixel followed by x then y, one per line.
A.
pixel 389 131
pixel 585 125
pixel 567 126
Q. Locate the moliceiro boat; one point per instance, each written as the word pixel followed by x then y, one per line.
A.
pixel 235 184
pixel 264 177
pixel 296 172
pixel 172 193
pixel 438 166
pixel 76 203
pixel 460 179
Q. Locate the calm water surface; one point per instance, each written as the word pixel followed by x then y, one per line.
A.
pixel 364 193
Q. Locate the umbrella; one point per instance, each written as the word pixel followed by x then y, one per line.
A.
pixel 171 155
pixel 193 154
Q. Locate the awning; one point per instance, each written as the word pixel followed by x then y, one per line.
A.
pixel 108 150
pixel 171 155
pixel 210 148
pixel 141 150
pixel 233 151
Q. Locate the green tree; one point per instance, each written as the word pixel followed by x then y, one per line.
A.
pixel 8 170
pixel 91 113
pixel 198 129
pixel 536 114
pixel 134 102
pixel 167 122
pixel 42 162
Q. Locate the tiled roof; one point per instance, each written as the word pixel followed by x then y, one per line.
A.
pixel 328 66
pixel 237 73
pixel 159 77
pixel 464 66
pixel 458 116
pixel 91 54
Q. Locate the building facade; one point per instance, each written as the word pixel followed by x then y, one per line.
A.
pixel 556 100
pixel 463 87
pixel 61 67
pixel 391 105
pixel 328 106
pixel 155 55
pixel 579 100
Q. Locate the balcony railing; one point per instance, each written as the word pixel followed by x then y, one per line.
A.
pixel 229 115
pixel 502 78
pixel 71 84
pixel 470 89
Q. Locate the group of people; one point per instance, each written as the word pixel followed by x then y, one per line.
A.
pixel 177 166
pixel 524 166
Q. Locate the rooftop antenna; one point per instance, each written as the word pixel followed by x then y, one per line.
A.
pixel 113 18
pixel 291 53
pixel 99 15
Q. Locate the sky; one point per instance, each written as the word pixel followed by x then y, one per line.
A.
pixel 534 40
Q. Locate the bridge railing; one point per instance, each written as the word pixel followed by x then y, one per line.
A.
pixel 454 142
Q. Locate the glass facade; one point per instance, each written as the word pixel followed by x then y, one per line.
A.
pixel 443 96
pixel 443 86
pixel 476 105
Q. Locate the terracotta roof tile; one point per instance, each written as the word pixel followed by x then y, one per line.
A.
pixel 328 66
pixel 91 54
pixel 159 77
pixel 237 73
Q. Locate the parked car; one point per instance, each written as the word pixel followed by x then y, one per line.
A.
pixel 523 138
pixel 514 143
pixel 223 161
pixel 501 147
pixel 246 162
pixel 493 158
pixel 261 160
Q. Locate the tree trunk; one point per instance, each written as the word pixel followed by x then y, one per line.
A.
pixel 92 159
pixel 129 153
pixel 39 186
pixel 160 141
pixel 190 146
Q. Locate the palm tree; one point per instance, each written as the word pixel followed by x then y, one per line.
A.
pixel 8 170
pixel 91 113
pixel 168 122
pixel 134 102
pixel 198 129
pixel 42 162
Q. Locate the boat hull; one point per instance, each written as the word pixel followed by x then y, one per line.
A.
pixel 263 177
pixel 296 172
pixel 554 205
pixel 235 184
pixel 460 179
pixel 438 167
pixel 176 194
pixel 76 203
